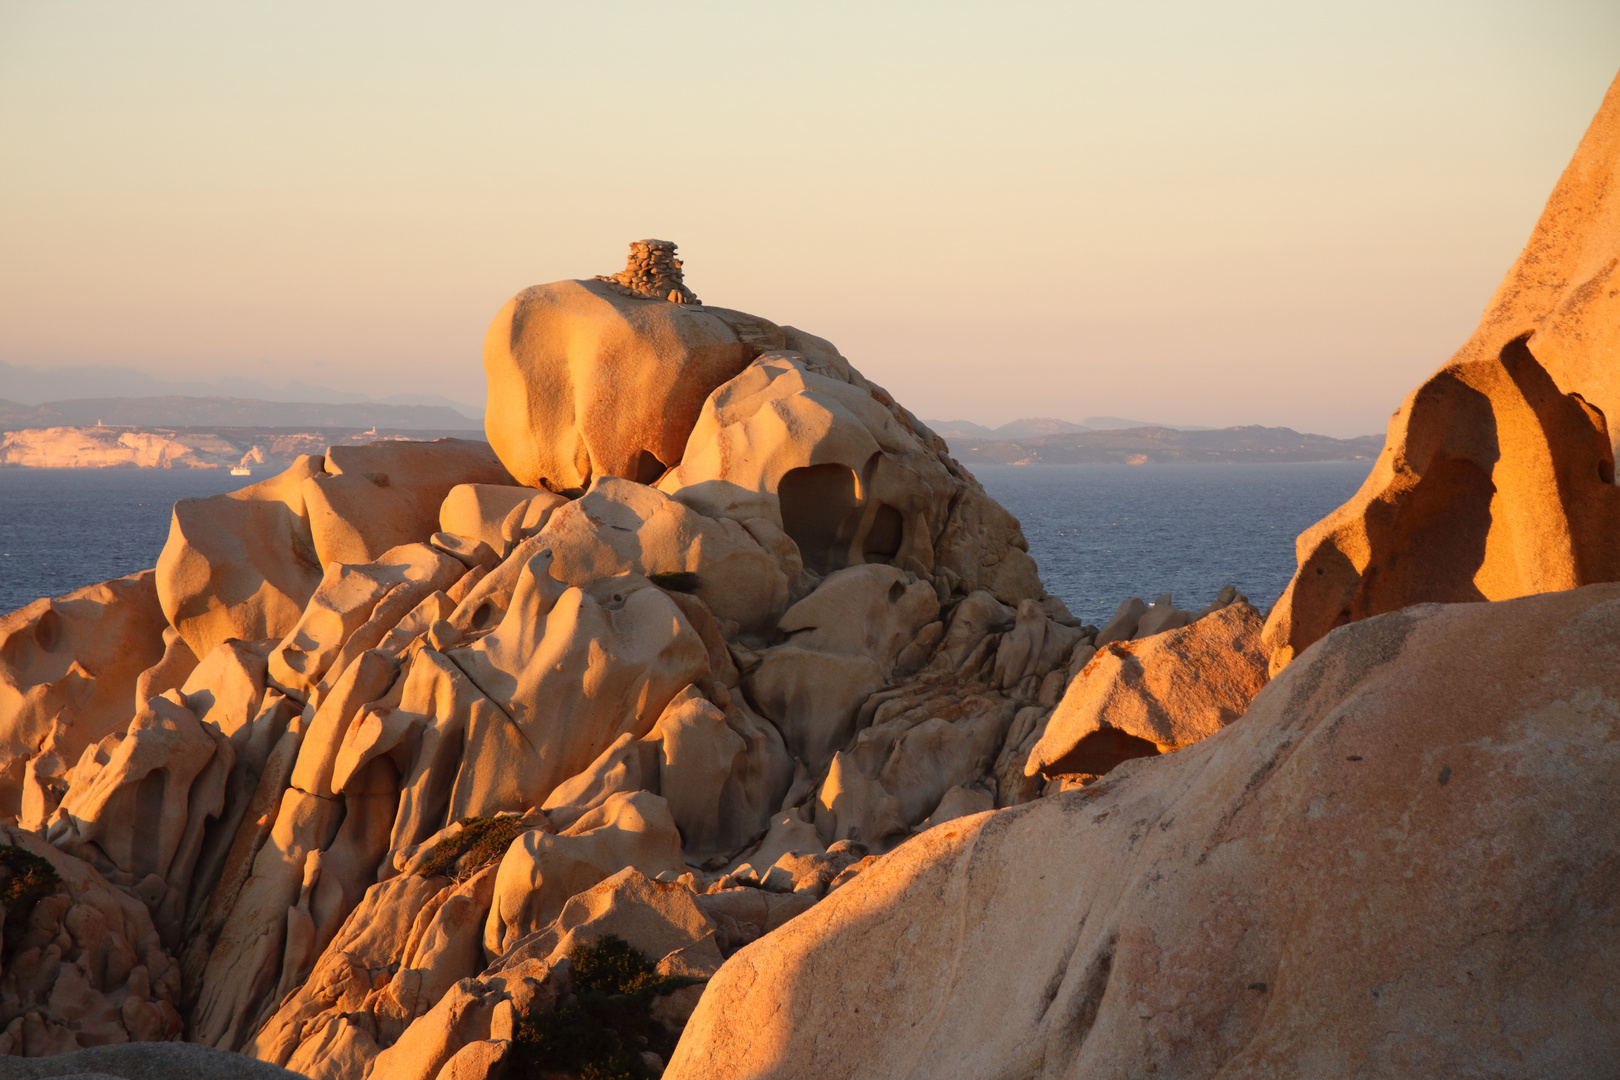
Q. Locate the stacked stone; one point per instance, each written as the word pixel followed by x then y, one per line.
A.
pixel 652 272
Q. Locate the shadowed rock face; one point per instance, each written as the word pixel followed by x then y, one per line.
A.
pixel 1399 862
pixel 1497 476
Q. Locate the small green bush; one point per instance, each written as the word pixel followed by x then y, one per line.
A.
pixel 24 879
pixel 481 841
pixel 24 875
pixel 601 1035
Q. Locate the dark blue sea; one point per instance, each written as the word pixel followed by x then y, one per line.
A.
pixel 1100 533
pixel 64 528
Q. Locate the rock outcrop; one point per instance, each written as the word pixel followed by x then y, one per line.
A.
pixel 68 674
pixel 598 378
pixel 387 732
pixel 1408 839
pixel 389 744
pixel 1497 476
pixel 1153 695
pixel 244 564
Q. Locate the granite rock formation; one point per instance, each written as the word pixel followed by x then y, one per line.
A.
pixel 714 634
pixel 1400 862
pixel 385 738
pixel 1497 476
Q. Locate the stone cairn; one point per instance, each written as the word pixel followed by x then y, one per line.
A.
pixel 652 273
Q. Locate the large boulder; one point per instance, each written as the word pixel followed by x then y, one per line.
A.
pixel 843 641
pixel 621 527
pixel 241 564
pixel 378 496
pixel 1154 694
pixel 575 668
pixel 1399 862
pixel 590 378
pixel 1497 475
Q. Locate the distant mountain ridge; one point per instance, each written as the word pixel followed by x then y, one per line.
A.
pixel 228 412
pixel 1162 445
pixel 39 385
pixel 1039 426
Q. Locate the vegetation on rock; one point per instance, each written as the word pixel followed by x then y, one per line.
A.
pixel 481 840
pixel 602 1032
pixel 24 879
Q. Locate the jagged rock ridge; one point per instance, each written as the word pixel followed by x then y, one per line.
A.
pixel 383 737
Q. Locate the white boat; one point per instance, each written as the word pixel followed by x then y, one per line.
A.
pixel 241 470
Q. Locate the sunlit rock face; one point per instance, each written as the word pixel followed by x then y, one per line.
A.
pixel 1408 837
pixel 714 629
pixel 1497 477
pixel 709 623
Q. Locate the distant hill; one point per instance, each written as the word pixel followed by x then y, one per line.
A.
pixel 1040 426
pixel 213 412
pixel 38 385
pixel 1162 445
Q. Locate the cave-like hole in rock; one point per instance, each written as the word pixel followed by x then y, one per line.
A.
pixel 883 539
pixel 818 501
pixel 1101 751
pixel 649 469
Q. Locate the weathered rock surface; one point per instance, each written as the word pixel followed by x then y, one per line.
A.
pixel 801 442
pixel 1497 476
pixel 68 672
pixel 1400 862
pixel 392 735
pixel 81 964
pixel 1155 694
pixel 586 381
pixel 244 564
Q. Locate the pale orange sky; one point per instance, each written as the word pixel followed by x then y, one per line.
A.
pixel 1276 213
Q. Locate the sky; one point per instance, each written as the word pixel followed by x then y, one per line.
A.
pixel 1186 212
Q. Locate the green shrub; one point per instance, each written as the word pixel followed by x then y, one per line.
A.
pixel 481 841
pixel 601 1034
pixel 24 879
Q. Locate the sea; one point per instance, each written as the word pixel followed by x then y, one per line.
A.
pixel 1099 533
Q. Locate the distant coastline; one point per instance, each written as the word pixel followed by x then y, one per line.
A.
pixel 1164 446
pixel 268 450
pixel 265 450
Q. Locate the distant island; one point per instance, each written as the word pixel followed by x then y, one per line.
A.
pixel 1033 426
pixel 266 449
pixel 1164 445
pixel 180 432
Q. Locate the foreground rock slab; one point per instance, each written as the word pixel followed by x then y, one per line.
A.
pixel 147 1061
pixel 1399 862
